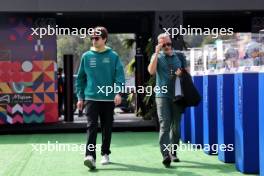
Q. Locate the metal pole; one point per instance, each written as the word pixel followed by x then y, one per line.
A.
pixel 68 87
pixel 139 77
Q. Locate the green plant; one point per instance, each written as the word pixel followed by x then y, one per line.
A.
pixel 131 67
pixel 128 43
pixel 149 101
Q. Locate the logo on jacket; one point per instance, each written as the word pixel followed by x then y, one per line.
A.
pixel 106 60
pixel 92 62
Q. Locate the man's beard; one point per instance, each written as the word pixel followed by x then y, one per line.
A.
pixel 167 52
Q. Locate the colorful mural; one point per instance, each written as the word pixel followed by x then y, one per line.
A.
pixel 28 80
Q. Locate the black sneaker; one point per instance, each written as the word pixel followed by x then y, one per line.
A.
pixel 167 161
pixel 89 162
pixel 175 159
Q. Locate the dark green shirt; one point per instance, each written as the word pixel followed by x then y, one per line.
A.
pixel 166 66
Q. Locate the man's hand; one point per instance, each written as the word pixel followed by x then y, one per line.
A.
pixel 152 67
pixel 80 105
pixel 117 99
pixel 158 48
pixel 178 72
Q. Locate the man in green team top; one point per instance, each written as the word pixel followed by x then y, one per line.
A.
pixel 100 68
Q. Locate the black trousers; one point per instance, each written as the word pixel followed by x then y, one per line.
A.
pixel 105 110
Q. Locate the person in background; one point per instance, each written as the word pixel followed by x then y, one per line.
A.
pixel 60 91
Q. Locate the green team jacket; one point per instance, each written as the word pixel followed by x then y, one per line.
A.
pixel 98 72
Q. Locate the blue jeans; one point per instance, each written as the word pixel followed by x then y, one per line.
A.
pixel 169 115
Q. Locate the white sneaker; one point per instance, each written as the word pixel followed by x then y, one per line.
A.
pixel 89 162
pixel 105 159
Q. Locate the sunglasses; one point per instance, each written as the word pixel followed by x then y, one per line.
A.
pixel 166 44
pixel 95 38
